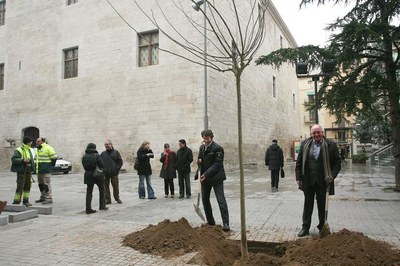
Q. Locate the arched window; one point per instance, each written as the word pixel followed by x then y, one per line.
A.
pixel 32 132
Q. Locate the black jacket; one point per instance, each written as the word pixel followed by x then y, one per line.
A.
pixel 168 172
pixel 274 157
pixel 212 166
pixel 112 162
pixel 184 159
pixel 144 161
pixel 90 156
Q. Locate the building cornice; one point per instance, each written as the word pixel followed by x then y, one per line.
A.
pixel 281 23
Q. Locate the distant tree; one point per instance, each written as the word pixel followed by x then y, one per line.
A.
pixel 365 45
pixel 372 127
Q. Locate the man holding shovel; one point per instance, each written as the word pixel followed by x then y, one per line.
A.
pixel 212 175
pixel 317 165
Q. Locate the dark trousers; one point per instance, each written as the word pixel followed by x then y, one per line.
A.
pixel 169 185
pixel 274 178
pixel 89 194
pixel 220 195
pixel 115 185
pixel 23 187
pixel 310 193
pixel 184 184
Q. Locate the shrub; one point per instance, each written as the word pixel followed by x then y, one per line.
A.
pixel 359 158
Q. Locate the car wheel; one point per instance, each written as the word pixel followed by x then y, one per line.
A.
pixel 66 172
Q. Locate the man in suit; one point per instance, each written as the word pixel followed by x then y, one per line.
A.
pixel 317 166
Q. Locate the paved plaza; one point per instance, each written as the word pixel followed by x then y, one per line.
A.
pixel 69 236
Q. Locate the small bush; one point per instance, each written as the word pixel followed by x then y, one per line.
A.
pixel 359 158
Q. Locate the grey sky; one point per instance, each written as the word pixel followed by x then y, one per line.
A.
pixel 307 24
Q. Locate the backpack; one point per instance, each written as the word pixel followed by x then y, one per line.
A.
pixel 136 164
pixel 89 162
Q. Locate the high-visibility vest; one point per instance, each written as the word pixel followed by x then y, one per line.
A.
pixel 25 151
pixel 44 156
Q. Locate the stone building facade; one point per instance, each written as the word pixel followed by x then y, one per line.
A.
pixel 75 73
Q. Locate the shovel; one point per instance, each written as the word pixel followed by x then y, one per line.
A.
pixel 325 231
pixel 197 206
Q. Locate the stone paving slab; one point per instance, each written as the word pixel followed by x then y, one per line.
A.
pixel 15 208
pixel 3 219
pixel 14 217
pixel 45 209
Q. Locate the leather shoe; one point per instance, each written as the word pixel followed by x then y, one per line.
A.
pixel 104 208
pixel 303 232
pixel 226 228
pixel 90 211
pixel 119 201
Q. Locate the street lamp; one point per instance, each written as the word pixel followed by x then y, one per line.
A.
pixel 196 6
pixel 327 69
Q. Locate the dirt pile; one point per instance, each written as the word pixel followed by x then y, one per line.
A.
pixel 170 239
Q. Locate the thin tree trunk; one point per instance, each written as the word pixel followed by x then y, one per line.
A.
pixel 395 117
pixel 244 248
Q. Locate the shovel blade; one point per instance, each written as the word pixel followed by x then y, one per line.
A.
pixel 198 211
pixel 325 231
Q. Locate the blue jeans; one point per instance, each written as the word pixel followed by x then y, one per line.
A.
pixel 141 190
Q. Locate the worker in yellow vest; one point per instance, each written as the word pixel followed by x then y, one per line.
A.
pixel 45 158
pixel 22 164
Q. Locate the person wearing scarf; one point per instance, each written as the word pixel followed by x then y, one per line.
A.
pixel 168 169
pixel 317 165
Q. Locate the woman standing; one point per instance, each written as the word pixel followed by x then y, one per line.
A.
pixel 144 154
pixel 168 169
pixel 90 160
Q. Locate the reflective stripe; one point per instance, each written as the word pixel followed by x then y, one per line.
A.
pixel 45 154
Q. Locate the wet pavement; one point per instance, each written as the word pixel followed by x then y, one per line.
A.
pixel 69 236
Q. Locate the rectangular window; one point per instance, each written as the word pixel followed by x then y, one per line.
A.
pixel 281 41
pixel 2 12
pixel 274 87
pixel 71 63
pixel 342 136
pixel 311 112
pixel 70 2
pixel 1 76
pixel 148 49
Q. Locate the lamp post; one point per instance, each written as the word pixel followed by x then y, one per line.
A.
pixel 315 79
pixel 196 6
pixel 327 69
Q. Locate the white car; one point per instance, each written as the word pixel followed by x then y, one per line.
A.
pixel 62 166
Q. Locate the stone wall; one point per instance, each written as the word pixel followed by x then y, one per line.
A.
pixel 113 98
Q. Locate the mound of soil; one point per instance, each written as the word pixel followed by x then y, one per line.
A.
pixel 171 239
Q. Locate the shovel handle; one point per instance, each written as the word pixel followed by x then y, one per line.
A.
pixel 198 187
pixel 326 203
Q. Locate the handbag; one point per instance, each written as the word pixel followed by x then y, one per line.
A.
pixel 282 173
pixel 98 173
